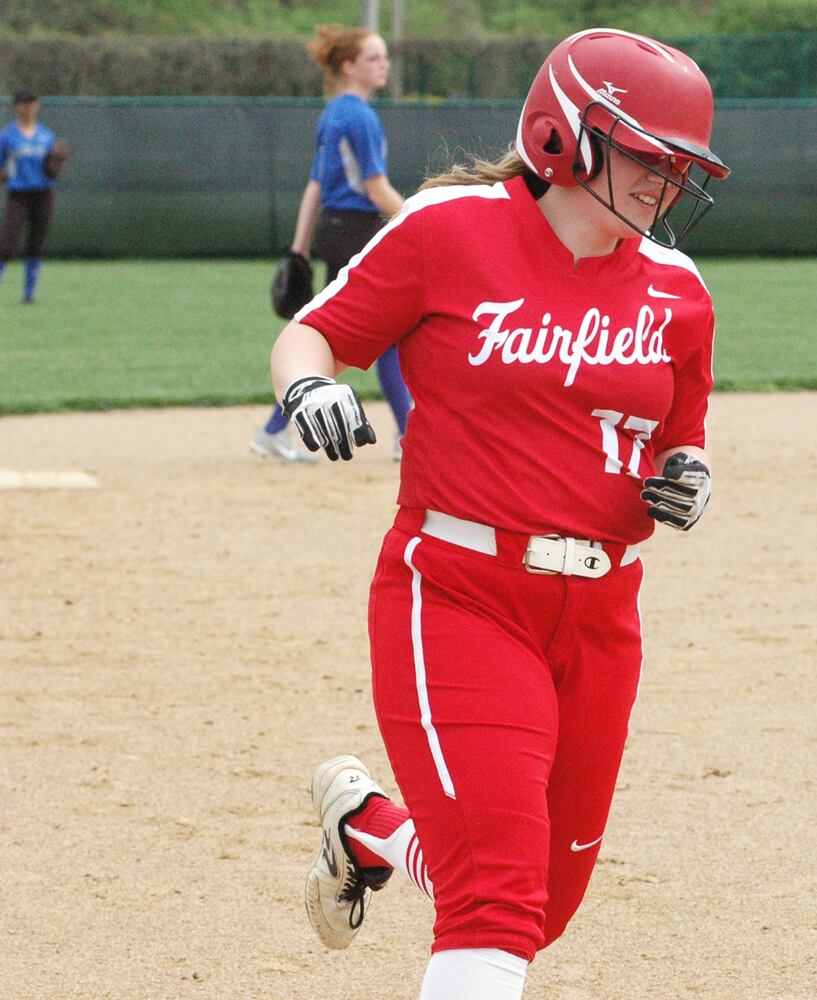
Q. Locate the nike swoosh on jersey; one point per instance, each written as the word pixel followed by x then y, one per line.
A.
pixel 576 846
pixel 656 294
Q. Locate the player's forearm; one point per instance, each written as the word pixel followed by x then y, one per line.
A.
pixel 380 191
pixel 307 217
pixel 300 350
pixel 688 449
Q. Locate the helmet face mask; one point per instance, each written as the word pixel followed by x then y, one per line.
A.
pixel 604 89
pixel 675 186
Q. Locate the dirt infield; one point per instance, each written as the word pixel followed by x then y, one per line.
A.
pixel 181 646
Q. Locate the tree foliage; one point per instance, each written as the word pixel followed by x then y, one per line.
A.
pixel 423 18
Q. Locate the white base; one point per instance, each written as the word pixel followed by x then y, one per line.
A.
pixel 11 479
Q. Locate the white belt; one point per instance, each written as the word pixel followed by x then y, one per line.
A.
pixel 568 556
pixel 550 554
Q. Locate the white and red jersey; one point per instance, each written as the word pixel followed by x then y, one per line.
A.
pixel 542 389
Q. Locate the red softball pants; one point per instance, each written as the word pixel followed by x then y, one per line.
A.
pixel 503 698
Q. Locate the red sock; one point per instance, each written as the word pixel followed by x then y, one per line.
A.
pixel 380 817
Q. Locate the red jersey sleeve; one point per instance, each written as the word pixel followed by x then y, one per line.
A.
pixel 377 298
pixel 685 422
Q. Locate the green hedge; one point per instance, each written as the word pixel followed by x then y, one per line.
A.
pixel 155 66
pixel 739 66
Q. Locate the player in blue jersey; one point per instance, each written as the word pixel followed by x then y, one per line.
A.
pixel 30 157
pixel 346 197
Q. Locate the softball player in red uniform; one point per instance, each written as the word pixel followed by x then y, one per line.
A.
pixel 558 349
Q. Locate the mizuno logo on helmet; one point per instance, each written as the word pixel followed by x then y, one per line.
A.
pixel 609 92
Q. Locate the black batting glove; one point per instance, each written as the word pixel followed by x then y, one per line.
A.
pixel 678 497
pixel 328 415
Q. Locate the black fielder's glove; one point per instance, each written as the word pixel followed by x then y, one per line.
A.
pixel 328 415
pixel 678 497
pixel 291 285
pixel 61 150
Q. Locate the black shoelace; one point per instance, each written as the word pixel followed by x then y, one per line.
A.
pixel 354 892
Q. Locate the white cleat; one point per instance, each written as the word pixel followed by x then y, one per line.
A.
pixel 280 446
pixel 338 893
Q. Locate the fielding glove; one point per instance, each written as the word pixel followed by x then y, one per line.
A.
pixel 678 497
pixel 328 415
pixel 61 150
pixel 291 287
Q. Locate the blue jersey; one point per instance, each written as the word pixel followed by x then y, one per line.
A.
pixel 23 157
pixel 351 149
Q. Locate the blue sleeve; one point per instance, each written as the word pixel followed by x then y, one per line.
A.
pixel 368 142
pixel 4 147
pixel 314 173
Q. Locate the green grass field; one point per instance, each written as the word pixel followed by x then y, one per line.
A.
pixel 107 334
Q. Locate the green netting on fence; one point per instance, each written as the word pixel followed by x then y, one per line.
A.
pixel 213 177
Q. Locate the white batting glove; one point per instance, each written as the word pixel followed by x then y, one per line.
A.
pixel 328 415
pixel 678 497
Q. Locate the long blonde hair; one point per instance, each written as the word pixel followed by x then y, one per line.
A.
pixel 480 171
pixel 332 46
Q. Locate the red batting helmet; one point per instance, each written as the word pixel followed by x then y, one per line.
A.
pixel 605 87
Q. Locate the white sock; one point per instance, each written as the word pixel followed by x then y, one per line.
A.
pixel 401 850
pixel 474 974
